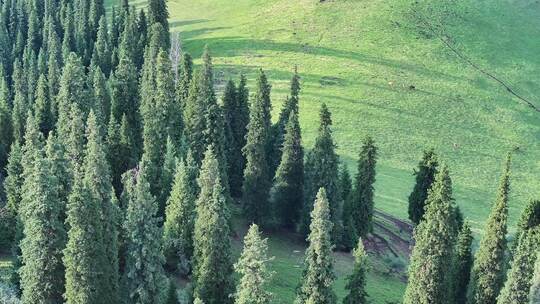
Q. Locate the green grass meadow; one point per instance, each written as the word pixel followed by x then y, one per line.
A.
pixel 381 75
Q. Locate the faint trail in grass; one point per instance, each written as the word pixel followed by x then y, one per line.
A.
pixel 477 67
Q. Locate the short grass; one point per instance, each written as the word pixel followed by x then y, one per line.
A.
pixel 379 75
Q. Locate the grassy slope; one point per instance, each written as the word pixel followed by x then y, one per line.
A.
pixel 360 57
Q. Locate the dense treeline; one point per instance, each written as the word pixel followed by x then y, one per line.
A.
pixel 120 167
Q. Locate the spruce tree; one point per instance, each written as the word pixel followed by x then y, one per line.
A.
pixel 158 13
pixel 463 264
pixel 362 197
pixel 257 179
pixel 167 174
pixel 6 131
pixel 212 248
pixel 13 187
pixel 96 14
pixel 234 153
pixel 121 150
pixel 429 267
pixel 42 106
pixel 279 129
pixel 54 64
pixel 253 269
pixel 20 104
pixel 43 242
pixel 427 169
pixel 322 171
pixel 73 90
pixel 534 295
pixel 144 262
pixel 288 191
pixel 488 270
pixel 350 235
pixel 180 215
pixel 184 80
pixel 97 181
pixel 101 55
pixel 519 279
pixel 84 247
pixel 356 284
pixel 318 275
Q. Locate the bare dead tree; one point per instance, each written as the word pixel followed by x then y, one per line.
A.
pixel 175 54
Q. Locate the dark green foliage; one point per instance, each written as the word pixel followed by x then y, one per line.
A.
pixel 287 194
pixel 13 188
pixel 125 97
pixel 19 109
pixel 519 278
pixel 44 235
pixel 6 131
pixel 73 91
pixel 427 169
pixel 96 14
pixel 488 270
pixel 356 284
pixel 530 217
pixel 101 56
pixel 158 117
pixel 362 197
pixel 184 79
pixel 428 271
pixel 279 129
pixel 144 262
pixel 121 150
pixel 463 264
pixel 42 107
pixel 257 179
pixel 180 215
pixel 97 181
pixel 212 248
pixel 101 103
pixel 253 269
pixel 158 13
pixel 318 275
pixel 167 174
pixel 172 294
pixel 350 235
pixel 322 171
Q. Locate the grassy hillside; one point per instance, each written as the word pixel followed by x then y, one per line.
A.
pixel 381 74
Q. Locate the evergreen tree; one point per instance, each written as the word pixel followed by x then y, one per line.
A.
pixel 463 263
pixel 356 284
pixel 362 198
pixel 101 98
pixel 19 109
pixel 322 171
pixel 144 264
pixel 121 150
pixel 429 267
pixel 318 275
pixel 350 235
pixel 288 190
pixel 158 124
pixel 212 248
pixel 84 247
pixel 185 77
pixel 42 106
pixel 488 270
pixel 180 215
pixel 98 184
pixel 158 13
pixel 253 269
pixel 13 187
pixel 234 153
pixel 279 129
pixel 73 90
pixel 172 295
pixel 167 174
pixel 96 14
pixel 427 169
pixel 6 131
pixel 43 232
pixel 519 278
pixel 54 63
pixel 56 154
pixel 534 296
pixel 257 179
pixel 101 55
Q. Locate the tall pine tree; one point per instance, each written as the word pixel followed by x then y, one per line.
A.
pixel 253 269
pixel 257 179
pixel 318 275
pixel 356 284
pixel 429 267
pixel 427 169
pixel 463 264
pixel 362 197
pixel 287 194
pixel 488 270
pixel 212 248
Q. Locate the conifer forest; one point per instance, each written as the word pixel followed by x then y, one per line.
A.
pixel 258 152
